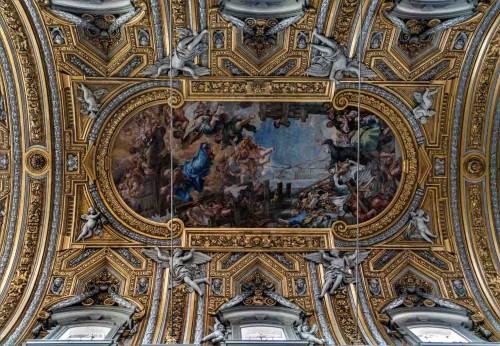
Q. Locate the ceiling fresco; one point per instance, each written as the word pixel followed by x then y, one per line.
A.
pixel 171 166
pixel 256 164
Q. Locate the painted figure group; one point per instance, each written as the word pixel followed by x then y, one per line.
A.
pixel 220 166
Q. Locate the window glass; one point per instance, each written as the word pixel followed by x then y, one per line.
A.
pixel 434 334
pixel 262 333
pixel 85 333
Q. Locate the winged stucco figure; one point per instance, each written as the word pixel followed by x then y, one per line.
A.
pixel 184 266
pixel 90 100
pixel 334 63
pixel 337 275
pixel 188 47
pixel 425 102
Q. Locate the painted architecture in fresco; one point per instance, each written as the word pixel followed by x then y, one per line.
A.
pixel 256 164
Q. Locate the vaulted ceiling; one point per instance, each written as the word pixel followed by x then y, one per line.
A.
pixel 87 87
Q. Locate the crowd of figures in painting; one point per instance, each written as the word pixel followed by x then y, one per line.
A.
pixel 245 164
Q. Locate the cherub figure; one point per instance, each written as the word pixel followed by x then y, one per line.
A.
pixel 334 63
pixel 188 47
pixel 184 266
pixel 92 225
pixel 218 333
pixel 337 275
pixel 419 221
pixel 425 101
pixel 90 100
pixel 308 335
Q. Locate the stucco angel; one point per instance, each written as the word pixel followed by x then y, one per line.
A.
pixel 308 334
pixel 90 100
pixel 218 333
pixel 92 225
pixel 188 47
pixel 184 266
pixel 337 275
pixel 334 62
pixel 419 222
pixel 425 101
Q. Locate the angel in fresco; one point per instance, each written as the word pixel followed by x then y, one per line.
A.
pixel 337 275
pixel 184 266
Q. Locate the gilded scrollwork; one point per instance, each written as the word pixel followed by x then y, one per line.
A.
pixel 458 267
pixel 30 244
pixel 104 146
pixel 482 246
pixel 345 98
pixel 28 68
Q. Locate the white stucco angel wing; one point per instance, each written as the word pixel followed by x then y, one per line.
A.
pixel 200 258
pixel 318 70
pixel 317 258
pixel 153 254
pixel 356 257
pixel 153 69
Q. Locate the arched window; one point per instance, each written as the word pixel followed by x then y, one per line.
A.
pixel 266 323
pixel 431 333
pixel 421 326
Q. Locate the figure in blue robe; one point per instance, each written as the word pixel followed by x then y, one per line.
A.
pixel 194 172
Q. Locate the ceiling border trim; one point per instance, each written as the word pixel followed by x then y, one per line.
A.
pixel 94 133
pixel 419 193
pixel 494 161
pixel 57 171
pixel 455 162
pixel 16 160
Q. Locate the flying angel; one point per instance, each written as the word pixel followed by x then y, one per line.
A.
pixel 308 335
pixel 337 275
pixel 419 222
pixel 90 100
pixel 218 333
pixel 188 47
pixel 184 266
pixel 334 62
pixel 425 101
pixel 93 223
